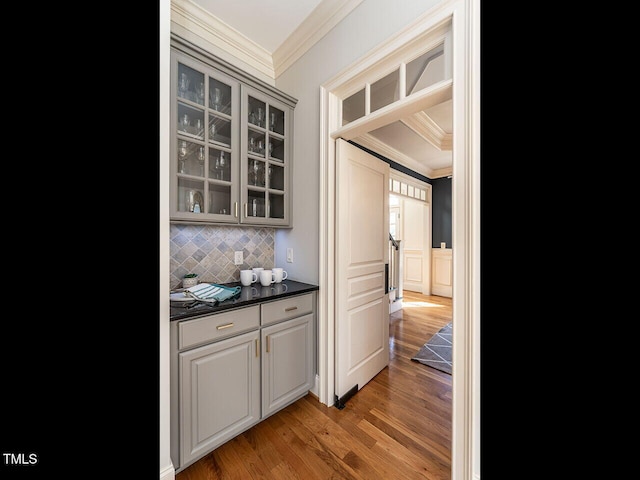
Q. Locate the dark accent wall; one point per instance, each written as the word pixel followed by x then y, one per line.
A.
pixel 441 212
pixel 440 200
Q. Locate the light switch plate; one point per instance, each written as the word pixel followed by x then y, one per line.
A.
pixel 289 255
pixel 237 259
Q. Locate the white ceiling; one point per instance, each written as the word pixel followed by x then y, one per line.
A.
pixel 269 23
pixel 266 22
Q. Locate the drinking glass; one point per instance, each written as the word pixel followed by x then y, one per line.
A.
pixel 201 160
pixel 256 170
pixel 272 122
pixel 200 92
pixel 216 99
pixel 260 117
pixel 223 165
pixel 182 153
pixel 185 121
pixel 183 84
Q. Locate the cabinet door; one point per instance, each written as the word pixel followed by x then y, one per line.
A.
pixel 219 393
pixel 265 165
pixel 287 362
pixel 204 139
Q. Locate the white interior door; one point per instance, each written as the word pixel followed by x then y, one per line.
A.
pixel 362 254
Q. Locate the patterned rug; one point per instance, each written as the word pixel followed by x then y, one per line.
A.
pixel 436 352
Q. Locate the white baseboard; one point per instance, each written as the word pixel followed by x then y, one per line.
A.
pixel 168 473
pixel 395 306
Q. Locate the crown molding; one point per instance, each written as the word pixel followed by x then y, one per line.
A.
pixel 320 21
pixel 195 19
pixel 372 143
pixel 423 125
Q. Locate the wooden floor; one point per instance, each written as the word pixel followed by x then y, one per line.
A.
pixel 398 426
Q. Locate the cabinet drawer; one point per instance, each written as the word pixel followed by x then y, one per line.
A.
pixel 286 308
pixel 213 327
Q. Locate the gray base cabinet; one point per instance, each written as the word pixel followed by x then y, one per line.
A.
pixel 286 363
pixel 231 370
pixel 220 393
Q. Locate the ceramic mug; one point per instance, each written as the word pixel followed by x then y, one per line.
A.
pixel 279 274
pixel 247 277
pixel 266 278
pixel 257 271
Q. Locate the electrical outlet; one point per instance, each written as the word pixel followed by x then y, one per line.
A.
pixel 289 255
pixel 238 258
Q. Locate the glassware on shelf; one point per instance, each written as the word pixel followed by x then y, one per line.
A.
pixel 260 147
pixel 216 98
pixel 270 149
pixel 212 130
pixel 183 85
pixel 182 153
pixel 201 160
pixel 185 121
pixel 252 144
pixel 272 122
pixel 260 117
pixel 222 162
pixel 256 172
pixel 200 92
pixel 199 127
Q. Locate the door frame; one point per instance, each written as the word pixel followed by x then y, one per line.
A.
pixel 465 23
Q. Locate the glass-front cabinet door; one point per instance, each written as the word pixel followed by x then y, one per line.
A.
pixel 265 157
pixel 204 153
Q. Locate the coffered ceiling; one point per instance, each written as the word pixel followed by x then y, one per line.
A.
pixel 421 142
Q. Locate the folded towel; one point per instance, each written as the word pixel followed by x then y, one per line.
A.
pixel 211 292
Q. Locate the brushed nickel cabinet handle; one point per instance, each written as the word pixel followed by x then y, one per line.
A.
pixel 290 308
pixel 268 342
pixel 236 207
pixel 226 325
pixel 246 210
pixel 257 347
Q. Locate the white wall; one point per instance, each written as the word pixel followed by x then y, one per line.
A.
pixel 368 25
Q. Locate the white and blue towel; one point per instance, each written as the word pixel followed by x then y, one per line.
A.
pixel 211 292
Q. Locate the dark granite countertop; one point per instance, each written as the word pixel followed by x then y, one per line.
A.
pixel 252 295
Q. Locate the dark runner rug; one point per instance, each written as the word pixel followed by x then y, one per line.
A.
pixel 436 352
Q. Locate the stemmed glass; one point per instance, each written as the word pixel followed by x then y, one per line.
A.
pixel 183 85
pixel 201 160
pixel 216 98
pixel 260 117
pixel 272 122
pixel 200 92
pixel 223 165
pixel 185 121
pixel 182 153
pixel 256 169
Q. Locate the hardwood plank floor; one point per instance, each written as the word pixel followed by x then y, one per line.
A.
pixel 398 426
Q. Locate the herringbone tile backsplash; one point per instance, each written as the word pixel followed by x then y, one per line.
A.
pixel 209 251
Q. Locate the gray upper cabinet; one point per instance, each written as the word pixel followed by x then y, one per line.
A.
pixel 231 144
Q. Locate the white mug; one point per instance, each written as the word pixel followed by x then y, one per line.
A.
pixel 247 277
pixel 257 271
pixel 266 278
pixel 279 274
